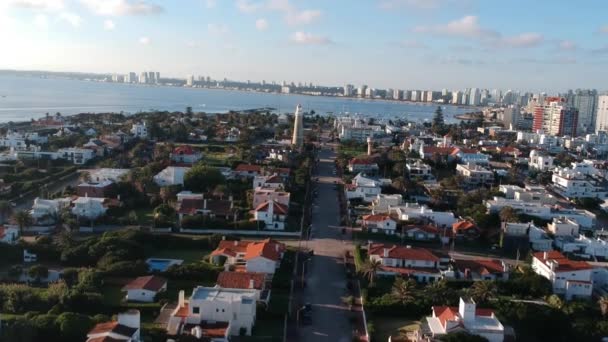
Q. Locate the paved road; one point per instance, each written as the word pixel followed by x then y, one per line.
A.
pixel 326 277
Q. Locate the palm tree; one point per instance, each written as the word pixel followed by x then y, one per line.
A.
pixel 403 290
pixel 23 218
pixel 483 291
pixel 508 214
pixel 437 291
pixel 370 270
pixel 5 210
pixel 603 303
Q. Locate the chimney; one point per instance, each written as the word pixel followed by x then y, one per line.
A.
pixel 386 250
pixel 223 237
pixel 466 309
pixel 276 247
pixel 545 255
pixel 205 204
pixel 251 284
pixel 408 247
pixel 236 243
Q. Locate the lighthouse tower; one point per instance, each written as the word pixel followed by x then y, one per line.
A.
pixel 369 146
pixel 298 129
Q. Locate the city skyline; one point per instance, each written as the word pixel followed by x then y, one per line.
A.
pixel 406 44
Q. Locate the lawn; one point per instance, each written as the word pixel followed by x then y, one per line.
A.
pixel 395 327
pixel 145 216
pixel 189 256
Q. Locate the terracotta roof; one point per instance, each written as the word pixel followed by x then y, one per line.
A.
pixel 409 270
pixel 241 280
pixel 278 208
pixel 358 161
pixel 449 313
pixel 150 283
pixel 189 206
pixel 439 150
pixel 210 330
pixel 183 311
pixel 464 150
pixel 481 266
pixel 248 168
pixel 219 207
pixel 563 263
pixel 251 249
pixel 112 327
pixel 426 229
pixel 463 225
pixel 403 252
pixel 184 150
pixel 274 179
pixel 376 218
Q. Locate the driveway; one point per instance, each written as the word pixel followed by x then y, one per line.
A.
pixel 326 274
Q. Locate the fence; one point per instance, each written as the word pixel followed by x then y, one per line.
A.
pixel 240 232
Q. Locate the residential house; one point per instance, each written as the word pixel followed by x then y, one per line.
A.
pixel 563 226
pixel 434 153
pixel 125 329
pixel 9 235
pixel 45 211
pixel 379 223
pixel 465 229
pixel 145 289
pixel 480 269
pixel 233 135
pixel 273 214
pixel 366 166
pixel 422 232
pixel 470 156
pixel 95 189
pixel 540 161
pixel 365 188
pixel 185 154
pixel 139 130
pixel 214 314
pixel 91 132
pixel 107 174
pixel 475 175
pixel 382 202
pixel 414 211
pixel 246 280
pixel 78 156
pixel 171 175
pixel 89 207
pixel 270 195
pixel 581 181
pixel 189 204
pixel 569 278
pixel 419 171
pixel 252 256
pixel 418 263
pixel 247 171
pixel 591 248
pixel 273 181
pixel 98 147
pixel 465 318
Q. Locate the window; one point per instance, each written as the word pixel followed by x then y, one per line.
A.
pixel 196 310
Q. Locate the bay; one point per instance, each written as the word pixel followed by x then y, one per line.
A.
pixel 23 98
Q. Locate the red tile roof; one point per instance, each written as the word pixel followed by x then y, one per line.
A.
pixel 449 313
pixel 426 229
pixel 252 249
pixel 241 280
pixel 358 161
pixel 248 168
pixel 563 264
pixel 438 150
pixel 184 150
pixel 481 266
pixel 112 327
pixel 376 218
pixel 189 206
pixel 278 208
pixel 403 252
pixel 463 225
pixel 150 283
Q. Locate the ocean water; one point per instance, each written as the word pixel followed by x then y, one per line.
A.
pixel 23 98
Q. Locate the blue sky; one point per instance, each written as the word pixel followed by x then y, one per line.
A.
pixel 529 45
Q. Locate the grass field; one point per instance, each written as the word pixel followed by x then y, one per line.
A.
pixel 395 327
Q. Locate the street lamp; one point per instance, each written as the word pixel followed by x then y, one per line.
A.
pixel 304 269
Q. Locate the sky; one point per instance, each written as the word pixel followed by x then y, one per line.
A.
pixel 539 45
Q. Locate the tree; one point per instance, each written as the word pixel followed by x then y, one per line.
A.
pixel 73 326
pixel 202 178
pixel 508 214
pixel 5 210
pixel 220 191
pixel 24 219
pixel 483 291
pixel 403 290
pixel 370 270
pixel 603 303
pixel 438 122
pixel 38 272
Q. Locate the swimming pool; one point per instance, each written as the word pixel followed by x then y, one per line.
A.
pixel 161 265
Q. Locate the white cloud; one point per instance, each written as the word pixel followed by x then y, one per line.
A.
pixel 109 25
pixel 73 19
pixel 210 3
pixel 144 41
pixel 306 38
pixel 466 27
pixel 567 45
pixel 418 4
pixel 217 29
pixel 292 15
pixel 41 21
pixel 122 7
pixel 523 40
pixel 248 6
pixel 41 5
pixel 261 24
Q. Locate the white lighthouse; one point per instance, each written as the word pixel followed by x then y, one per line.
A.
pixel 298 129
pixel 369 146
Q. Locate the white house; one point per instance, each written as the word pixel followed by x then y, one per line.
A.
pixel 89 207
pixel 125 329
pixel 252 256
pixel 418 263
pixel 379 224
pixel 107 174
pixel 470 156
pixel 422 232
pixel 9 235
pixel 419 170
pixel 366 166
pixel 214 314
pixel 582 245
pixel 382 202
pixel 481 269
pixel 45 211
pixel 466 318
pixel 540 162
pixel 265 195
pixel 171 175
pixel 273 214
pixel 475 175
pixel 414 211
pixel 273 181
pixel 139 130
pixel 563 226
pixel 78 156
pixel 246 280
pixel 580 181
pixel 185 154
pixel 365 188
pixel 145 289
pixel 569 278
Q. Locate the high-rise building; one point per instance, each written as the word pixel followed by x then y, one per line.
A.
pixel 190 81
pixel 151 77
pixel 475 97
pixel 298 128
pixel 348 90
pixel 601 122
pixel 456 97
pixel 370 93
pixel 416 95
pixel 157 77
pixel 361 90
pixel 464 98
pixel 131 78
pixel 407 95
pixel 555 117
pixel 585 101
pixel 510 116
pixel 397 94
pixel 143 77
